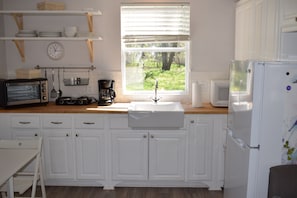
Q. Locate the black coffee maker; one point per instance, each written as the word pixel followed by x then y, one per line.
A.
pixel 106 92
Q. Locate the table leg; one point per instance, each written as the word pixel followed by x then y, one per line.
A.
pixel 10 193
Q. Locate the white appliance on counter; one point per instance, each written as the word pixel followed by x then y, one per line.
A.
pixel 262 117
pixel 219 93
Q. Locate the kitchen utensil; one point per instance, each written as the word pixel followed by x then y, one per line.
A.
pixel 53 93
pixel 59 83
pixel 45 73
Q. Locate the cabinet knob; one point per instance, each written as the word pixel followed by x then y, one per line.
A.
pixel 144 136
pixel 192 121
pixel 76 135
pixel 35 134
pixel 67 134
pixel 152 136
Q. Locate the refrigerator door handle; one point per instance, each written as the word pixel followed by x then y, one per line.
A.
pixel 253 147
pixel 240 142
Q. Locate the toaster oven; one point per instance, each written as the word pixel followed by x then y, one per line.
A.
pixel 23 92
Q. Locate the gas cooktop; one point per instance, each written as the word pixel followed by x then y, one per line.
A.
pixel 84 100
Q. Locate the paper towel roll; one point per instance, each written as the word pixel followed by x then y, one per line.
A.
pixel 196 95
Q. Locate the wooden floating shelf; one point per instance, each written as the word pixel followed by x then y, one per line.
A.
pixel 51 12
pixel 51 38
pixel 19 41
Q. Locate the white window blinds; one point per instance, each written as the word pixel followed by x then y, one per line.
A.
pixel 153 23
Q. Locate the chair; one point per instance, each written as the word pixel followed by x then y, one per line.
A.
pixel 283 181
pixel 25 179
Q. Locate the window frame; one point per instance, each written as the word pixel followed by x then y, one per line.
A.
pixel 185 49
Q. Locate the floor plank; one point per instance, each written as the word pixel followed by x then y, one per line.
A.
pixel 97 192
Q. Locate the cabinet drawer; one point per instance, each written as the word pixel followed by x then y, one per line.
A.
pixel 118 122
pixel 89 122
pixel 58 122
pixel 25 122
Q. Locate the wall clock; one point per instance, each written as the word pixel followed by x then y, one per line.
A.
pixel 55 50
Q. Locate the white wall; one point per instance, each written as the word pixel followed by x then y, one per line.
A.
pixel 2 47
pixel 212 41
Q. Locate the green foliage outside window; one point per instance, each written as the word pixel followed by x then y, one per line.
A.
pixel 147 62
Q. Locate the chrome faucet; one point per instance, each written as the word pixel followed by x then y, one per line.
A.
pixel 156 99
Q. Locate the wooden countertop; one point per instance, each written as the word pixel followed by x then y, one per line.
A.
pixel 93 108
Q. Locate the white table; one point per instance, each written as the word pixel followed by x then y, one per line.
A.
pixel 11 161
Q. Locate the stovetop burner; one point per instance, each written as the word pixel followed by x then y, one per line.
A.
pixel 84 100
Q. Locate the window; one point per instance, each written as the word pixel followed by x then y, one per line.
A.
pixel 155 46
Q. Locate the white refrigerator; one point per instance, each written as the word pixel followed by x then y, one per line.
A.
pixel 261 120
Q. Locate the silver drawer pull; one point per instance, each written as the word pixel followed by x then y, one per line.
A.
pixel 25 122
pixel 57 122
pixel 89 123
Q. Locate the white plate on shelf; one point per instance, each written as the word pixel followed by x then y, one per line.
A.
pixel 25 35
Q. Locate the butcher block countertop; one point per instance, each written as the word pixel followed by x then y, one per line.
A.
pixel 115 108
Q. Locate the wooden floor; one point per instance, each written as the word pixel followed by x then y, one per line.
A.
pixel 95 192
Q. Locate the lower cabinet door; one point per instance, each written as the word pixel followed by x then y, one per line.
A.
pixel 129 155
pixel 200 148
pixel 167 155
pixel 90 154
pixel 59 151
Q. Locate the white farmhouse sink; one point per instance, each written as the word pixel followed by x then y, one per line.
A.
pixel 152 115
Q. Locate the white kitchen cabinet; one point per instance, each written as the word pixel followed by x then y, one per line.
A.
pixel 289 8
pixel 257 33
pixel 58 147
pixel 244 21
pixel 58 154
pixel 167 155
pixel 5 132
pixel 100 149
pixel 148 155
pixel 206 149
pixel 271 34
pixel 89 147
pixel 25 126
pixel 74 146
pixel 289 30
pixel 200 147
pixel 219 145
pixel 129 155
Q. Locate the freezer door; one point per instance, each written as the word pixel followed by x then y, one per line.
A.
pixel 238 174
pixel 241 99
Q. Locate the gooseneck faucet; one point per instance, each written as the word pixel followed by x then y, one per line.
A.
pixel 156 99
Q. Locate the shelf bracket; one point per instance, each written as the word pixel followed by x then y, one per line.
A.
pixel 90 21
pixel 91 49
pixel 21 48
pixel 18 18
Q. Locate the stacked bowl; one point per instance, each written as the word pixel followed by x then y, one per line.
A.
pixel 70 31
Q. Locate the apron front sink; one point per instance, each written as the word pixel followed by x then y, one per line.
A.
pixel 152 115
